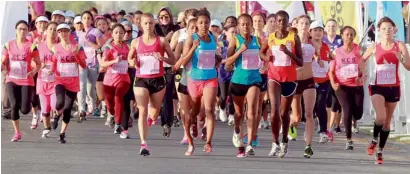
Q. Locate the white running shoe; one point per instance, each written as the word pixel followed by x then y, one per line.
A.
pixel 231 120
pixel 283 150
pixel 275 150
pixel 249 150
pixel 45 133
pixel 323 138
pixel 237 140
pixel 222 116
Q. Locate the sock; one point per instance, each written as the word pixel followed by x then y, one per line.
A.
pixel 376 131
pixel 384 134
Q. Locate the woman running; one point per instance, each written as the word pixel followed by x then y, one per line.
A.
pixel 243 50
pixel 147 55
pixel 200 50
pixel 67 58
pixel 305 88
pixel 37 35
pixel 285 47
pixel 17 57
pixel 184 98
pixel 270 24
pixel 116 80
pixel 90 41
pixel 321 78
pixel 334 109
pixel 384 85
pixel 347 73
pixel 45 79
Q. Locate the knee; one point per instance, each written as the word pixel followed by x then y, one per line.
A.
pixel 59 105
pixel 209 111
pixel 25 109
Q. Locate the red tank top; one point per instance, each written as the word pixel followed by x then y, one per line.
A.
pixel 387 65
pixel 321 74
pixel 147 65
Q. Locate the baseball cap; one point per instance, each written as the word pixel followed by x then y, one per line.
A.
pixel 217 23
pixel 42 19
pixel 63 26
pixel 77 19
pixel 58 12
pixel 316 24
pixel 69 14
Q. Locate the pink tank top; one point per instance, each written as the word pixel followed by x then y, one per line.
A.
pixel 387 66
pixel 67 68
pixel 32 36
pixel 347 66
pixel 19 62
pixel 45 80
pixel 117 72
pixel 147 65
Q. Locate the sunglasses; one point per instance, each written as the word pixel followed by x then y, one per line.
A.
pixel 164 17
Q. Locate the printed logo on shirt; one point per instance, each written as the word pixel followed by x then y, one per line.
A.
pixel 19 57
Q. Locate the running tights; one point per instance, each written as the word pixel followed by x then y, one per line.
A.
pixel 351 100
pixel 19 98
pixel 224 88
pixel 114 99
pixel 65 100
pixel 321 101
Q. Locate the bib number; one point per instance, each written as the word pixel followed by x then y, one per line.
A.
pixel 149 65
pixel 206 59
pixel 386 74
pixel 45 74
pixel 318 71
pixel 250 59
pixel 120 67
pixel 281 59
pixel 349 71
pixel 68 69
pixel 18 69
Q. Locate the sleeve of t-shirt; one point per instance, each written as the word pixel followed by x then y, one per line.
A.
pixel 98 33
pixel 5 51
pixel 107 54
pixel 34 50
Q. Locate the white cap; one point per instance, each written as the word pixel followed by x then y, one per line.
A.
pixel 42 19
pixel 63 26
pixel 58 12
pixel 77 19
pixel 69 14
pixel 316 24
pixel 216 22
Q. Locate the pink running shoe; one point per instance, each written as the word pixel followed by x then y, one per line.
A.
pixel 184 142
pixel 330 135
pixel 144 150
pixel 150 121
pixel 241 152
pixel 34 123
pixel 16 137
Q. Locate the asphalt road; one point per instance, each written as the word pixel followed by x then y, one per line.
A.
pixel 93 148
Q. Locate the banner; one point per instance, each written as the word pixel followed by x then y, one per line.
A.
pixel 344 12
pixel 294 8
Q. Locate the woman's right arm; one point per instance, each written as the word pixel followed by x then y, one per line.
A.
pixel 132 53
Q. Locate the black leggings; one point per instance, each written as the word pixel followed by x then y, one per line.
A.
pixel 351 100
pixel 35 99
pixel 19 98
pixel 321 101
pixel 224 88
pixel 127 110
pixel 65 100
pixel 167 109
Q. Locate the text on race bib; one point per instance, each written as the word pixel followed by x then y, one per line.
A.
pixel 280 58
pixel 68 69
pixel 250 59
pixel 206 59
pixel 18 69
pixel 386 74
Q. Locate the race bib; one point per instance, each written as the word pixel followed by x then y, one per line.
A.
pixel 68 69
pixel 18 69
pixel 319 72
pixel 349 71
pixel 120 67
pixel 90 55
pixel 250 59
pixel 281 59
pixel 206 59
pixel 45 74
pixel 148 65
pixel 386 74
pixel 308 52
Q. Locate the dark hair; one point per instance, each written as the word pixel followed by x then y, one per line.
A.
pixel 204 12
pixel 107 16
pixel 228 27
pixel 270 16
pixel 138 12
pixel 347 27
pixel 89 13
pixel 231 17
pixel 48 15
pixel 93 9
pixel 191 11
pixel 122 12
pixel 245 15
pixel 21 22
pixel 118 25
pixel 385 19
pixel 52 23
pixel 282 13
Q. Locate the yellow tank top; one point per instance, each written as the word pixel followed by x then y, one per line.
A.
pixel 287 41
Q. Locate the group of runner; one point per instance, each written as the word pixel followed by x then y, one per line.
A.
pixel 198 71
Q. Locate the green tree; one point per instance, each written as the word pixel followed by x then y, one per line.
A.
pixel 76 6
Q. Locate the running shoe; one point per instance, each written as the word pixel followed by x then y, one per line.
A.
pixel 292 134
pixel 349 145
pixel 124 134
pixel 46 133
pixel 203 135
pixel 96 112
pixel 103 112
pixel 55 122
pixel 275 150
pixel 266 125
pixel 150 121
pixel 166 131
pixel 330 136
pixel 16 137
pixel 222 116
pixel 207 148
pixel 372 147
pixel 338 130
pixel 190 151
pixel 308 151
pixel 249 150
pixel 241 152
pixel 255 142
pixel 34 121
pixel 236 140
pixel 283 150
pixel 176 121
pixel 144 150
pixel 62 138
pixel 355 128
pixel 117 129
pixel 81 117
pixel 110 121
pixel 231 120
pixel 184 142
pixel 379 158
pixel 323 138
